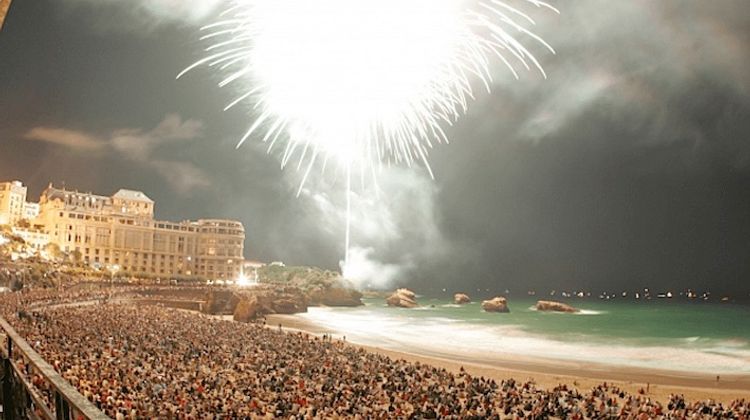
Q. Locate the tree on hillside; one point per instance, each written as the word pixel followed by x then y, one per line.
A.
pixel 16 244
pixel 54 251
pixel 76 257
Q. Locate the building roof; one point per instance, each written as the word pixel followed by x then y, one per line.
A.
pixel 58 193
pixel 132 195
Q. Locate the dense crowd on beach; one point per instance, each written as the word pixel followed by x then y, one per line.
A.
pixel 135 361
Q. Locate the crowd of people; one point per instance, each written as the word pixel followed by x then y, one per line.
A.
pixel 135 361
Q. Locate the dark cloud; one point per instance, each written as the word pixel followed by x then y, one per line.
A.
pixel 64 137
pixel 627 167
pixel 140 147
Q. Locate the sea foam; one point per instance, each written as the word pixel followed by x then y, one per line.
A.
pixel 398 330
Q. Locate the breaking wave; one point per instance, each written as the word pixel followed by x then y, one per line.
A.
pixel 462 338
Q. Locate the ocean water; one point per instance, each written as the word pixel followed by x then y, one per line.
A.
pixel 664 334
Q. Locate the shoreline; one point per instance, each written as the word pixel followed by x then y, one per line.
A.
pixel 549 373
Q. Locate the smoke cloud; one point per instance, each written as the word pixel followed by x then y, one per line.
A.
pixel 148 14
pixel 366 272
pixel 394 225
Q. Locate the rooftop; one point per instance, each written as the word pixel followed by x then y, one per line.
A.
pixel 53 192
pixel 132 195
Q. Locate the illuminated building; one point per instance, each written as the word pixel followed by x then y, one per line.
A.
pixel 30 211
pixel 120 233
pixel 12 202
pixel 34 238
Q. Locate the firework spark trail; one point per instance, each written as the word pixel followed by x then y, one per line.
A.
pixel 364 83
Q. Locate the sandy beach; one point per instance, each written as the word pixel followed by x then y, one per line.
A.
pixel 549 373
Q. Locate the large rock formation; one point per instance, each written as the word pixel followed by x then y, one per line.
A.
pixel 288 303
pixel 460 299
pixel 334 296
pixel 402 298
pixel 247 310
pixel 375 294
pixel 246 304
pixel 220 302
pixel 321 287
pixel 552 306
pixel 496 304
pixel 283 290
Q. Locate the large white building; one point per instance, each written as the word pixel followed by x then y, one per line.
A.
pixel 35 238
pixel 12 202
pixel 30 211
pixel 119 233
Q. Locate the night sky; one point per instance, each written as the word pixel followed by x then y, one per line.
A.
pixel 628 167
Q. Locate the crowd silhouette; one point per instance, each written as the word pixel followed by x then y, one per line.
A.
pixel 136 361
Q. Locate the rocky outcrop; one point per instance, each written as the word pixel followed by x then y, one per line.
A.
pixel 283 290
pixel 552 306
pixel 334 296
pixel 321 287
pixel 247 304
pixel 460 299
pixel 375 294
pixel 288 304
pixel 220 302
pixel 402 298
pixel 247 310
pixel 496 304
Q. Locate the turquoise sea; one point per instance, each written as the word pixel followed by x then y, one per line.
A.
pixel 677 335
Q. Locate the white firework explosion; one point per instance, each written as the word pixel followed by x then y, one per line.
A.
pixel 363 83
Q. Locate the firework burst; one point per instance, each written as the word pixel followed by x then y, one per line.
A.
pixel 362 83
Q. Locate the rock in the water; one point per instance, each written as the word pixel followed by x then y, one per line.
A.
pixel 402 298
pixel 552 306
pixel 375 294
pixel 496 304
pixel 460 299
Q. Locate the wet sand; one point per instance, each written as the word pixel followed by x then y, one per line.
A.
pixel 550 373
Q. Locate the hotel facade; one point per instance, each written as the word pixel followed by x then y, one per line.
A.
pixel 12 202
pixel 119 233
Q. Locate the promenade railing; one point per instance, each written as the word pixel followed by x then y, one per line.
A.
pixel 32 389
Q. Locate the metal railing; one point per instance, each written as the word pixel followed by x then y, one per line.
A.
pixel 31 388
